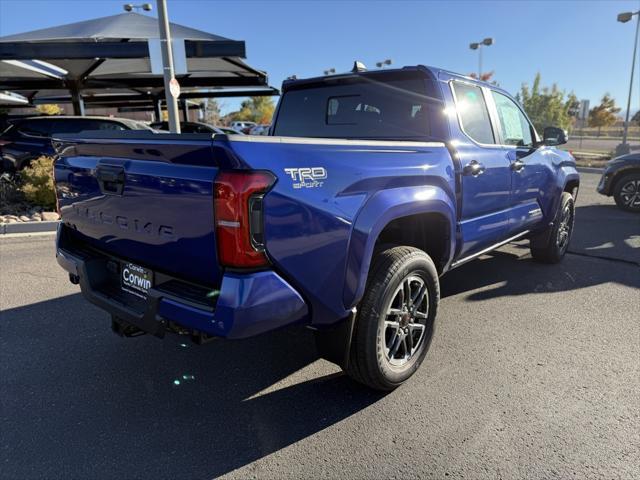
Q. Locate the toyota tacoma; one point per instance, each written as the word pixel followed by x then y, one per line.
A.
pixel 370 186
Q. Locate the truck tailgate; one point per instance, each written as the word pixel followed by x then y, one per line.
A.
pixel 147 199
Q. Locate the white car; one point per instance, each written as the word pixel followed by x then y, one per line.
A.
pixel 260 130
pixel 242 126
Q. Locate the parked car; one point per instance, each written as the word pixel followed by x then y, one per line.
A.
pixel 621 179
pixel 260 130
pixel 195 127
pixel 229 131
pixel 28 138
pixel 344 220
pixel 243 127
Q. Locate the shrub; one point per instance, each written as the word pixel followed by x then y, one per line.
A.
pixel 37 182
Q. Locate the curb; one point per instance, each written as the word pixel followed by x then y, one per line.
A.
pixel 28 227
pixel 590 169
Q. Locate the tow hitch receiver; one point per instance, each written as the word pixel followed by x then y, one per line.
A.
pixel 124 329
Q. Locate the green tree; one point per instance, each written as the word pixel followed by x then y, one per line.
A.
pixel 212 114
pixel 37 182
pixel 636 117
pixel 255 109
pixel 573 107
pixel 605 114
pixel 547 106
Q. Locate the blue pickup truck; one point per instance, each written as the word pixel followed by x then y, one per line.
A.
pixel 370 186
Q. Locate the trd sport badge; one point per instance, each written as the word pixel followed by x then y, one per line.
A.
pixel 308 177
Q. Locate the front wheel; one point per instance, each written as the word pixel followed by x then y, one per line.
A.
pixel 627 192
pixel 396 319
pixel 555 240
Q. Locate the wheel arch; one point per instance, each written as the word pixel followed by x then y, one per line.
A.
pixel 395 216
pixel 620 174
pixel 572 185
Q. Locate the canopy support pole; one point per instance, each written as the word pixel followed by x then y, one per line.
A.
pixel 185 110
pixel 76 100
pixel 157 110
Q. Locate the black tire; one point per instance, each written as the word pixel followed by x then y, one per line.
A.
pixel 551 245
pixel 626 192
pixel 393 269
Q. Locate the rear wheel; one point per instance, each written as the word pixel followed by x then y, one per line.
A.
pixel 395 322
pixel 627 192
pixel 557 236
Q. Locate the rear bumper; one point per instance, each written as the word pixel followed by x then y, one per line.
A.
pixel 247 305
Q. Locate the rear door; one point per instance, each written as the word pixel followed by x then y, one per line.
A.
pixel 485 176
pixel 532 175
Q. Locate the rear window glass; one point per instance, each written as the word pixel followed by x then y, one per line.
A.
pixel 36 128
pixel 79 125
pixel 394 107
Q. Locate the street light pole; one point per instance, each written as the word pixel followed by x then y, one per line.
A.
pixel 167 66
pixel 625 17
pixel 478 46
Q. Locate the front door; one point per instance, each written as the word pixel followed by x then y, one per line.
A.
pixel 532 176
pixel 486 176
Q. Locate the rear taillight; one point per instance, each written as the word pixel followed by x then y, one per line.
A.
pixel 238 214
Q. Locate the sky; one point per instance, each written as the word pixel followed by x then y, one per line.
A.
pixel 577 44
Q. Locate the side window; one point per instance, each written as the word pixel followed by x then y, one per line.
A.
pixel 514 126
pixel 67 126
pixel 473 113
pixel 35 128
pixel 99 125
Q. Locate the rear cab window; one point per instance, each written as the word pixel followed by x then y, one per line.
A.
pixel 383 106
pixel 473 113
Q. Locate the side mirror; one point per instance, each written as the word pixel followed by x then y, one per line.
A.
pixel 553 136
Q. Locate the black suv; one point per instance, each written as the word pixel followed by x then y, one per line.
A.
pixel 30 137
pixel 621 179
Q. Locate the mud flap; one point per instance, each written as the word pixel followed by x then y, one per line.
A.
pixel 334 344
pixel 541 239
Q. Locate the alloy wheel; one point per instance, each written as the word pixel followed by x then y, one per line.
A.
pixel 405 321
pixel 564 228
pixel 630 194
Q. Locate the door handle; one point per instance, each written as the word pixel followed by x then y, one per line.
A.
pixel 473 168
pixel 517 165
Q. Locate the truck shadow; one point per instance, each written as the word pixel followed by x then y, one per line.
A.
pixel 602 232
pixel 79 402
pixel 607 231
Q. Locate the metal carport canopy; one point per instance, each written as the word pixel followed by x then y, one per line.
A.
pixel 112 53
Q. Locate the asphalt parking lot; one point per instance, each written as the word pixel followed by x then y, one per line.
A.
pixel 534 372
